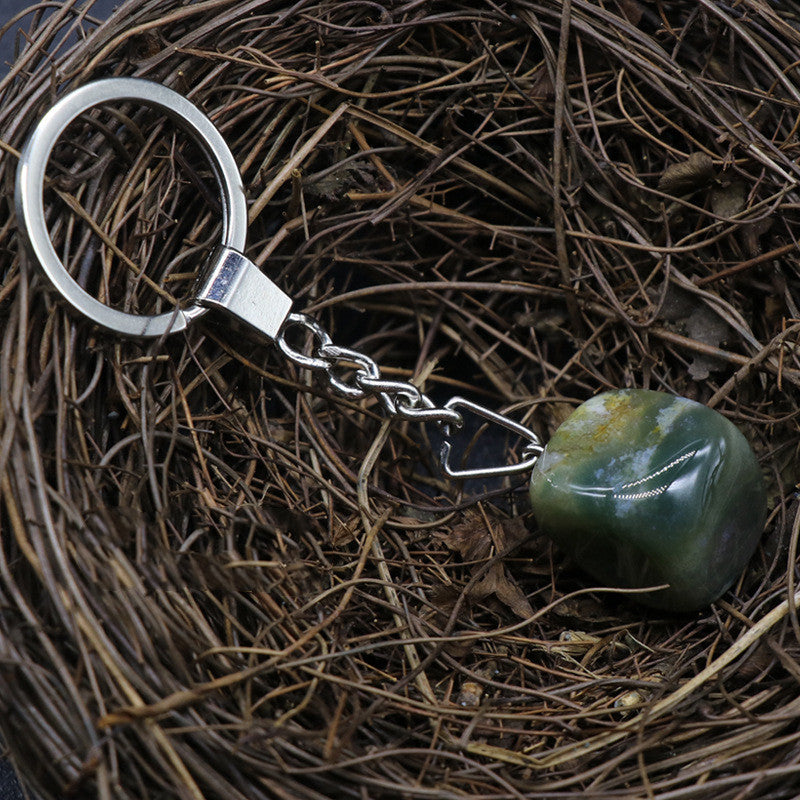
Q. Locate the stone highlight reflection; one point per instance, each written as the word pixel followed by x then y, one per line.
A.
pixel 642 488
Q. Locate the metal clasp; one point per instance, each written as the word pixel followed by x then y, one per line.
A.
pixel 530 454
pixel 233 283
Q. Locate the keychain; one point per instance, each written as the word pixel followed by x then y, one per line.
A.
pixel 643 489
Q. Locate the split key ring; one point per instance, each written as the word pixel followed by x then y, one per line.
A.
pixel 228 280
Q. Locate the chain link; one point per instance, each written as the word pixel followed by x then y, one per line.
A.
pixel 344 357
pixel 356 376
pixel 297 356
pixel 399 398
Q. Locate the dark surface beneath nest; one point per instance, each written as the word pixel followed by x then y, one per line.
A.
pixel 10 8
pixel 9 788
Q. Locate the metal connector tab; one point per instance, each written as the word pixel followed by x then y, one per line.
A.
pixel 233 283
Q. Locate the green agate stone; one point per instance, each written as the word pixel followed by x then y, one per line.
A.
pixel 642 489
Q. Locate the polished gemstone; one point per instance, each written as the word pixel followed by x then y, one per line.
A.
pixel 642 489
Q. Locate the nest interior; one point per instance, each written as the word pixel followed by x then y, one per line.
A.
pixel 219 580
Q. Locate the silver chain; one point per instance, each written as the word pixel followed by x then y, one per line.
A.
pixel 398 398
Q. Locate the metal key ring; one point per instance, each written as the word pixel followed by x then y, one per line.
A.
pixel 30 194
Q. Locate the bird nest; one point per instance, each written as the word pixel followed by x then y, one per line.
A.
pixel 217 579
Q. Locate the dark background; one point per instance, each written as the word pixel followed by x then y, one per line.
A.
pixel 9 788
pixel 10 8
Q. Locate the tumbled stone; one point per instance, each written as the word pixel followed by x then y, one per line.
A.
pixel 642 489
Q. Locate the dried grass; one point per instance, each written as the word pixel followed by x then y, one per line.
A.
pixel 216 581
